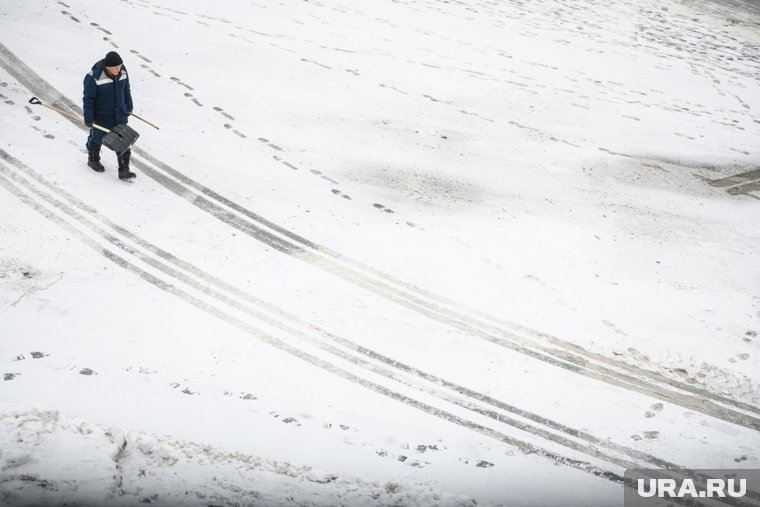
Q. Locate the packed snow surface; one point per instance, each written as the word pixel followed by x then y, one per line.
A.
pixel 408 252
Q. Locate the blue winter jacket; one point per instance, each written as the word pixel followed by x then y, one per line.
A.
pixel 107 100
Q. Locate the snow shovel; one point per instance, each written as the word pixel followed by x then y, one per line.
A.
pixel 118 138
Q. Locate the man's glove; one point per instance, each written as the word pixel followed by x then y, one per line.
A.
pixel 88 123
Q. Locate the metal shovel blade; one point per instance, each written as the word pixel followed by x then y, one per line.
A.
pixel 120 138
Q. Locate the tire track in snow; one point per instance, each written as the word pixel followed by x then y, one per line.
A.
pixel 567 356
pixel 531 343
pixel 215 287
pixel 12 182
pixel 222 291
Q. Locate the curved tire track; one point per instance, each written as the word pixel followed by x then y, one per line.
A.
pixel 536 345
pixel 13 183
pixel 216 288
pixel 351 351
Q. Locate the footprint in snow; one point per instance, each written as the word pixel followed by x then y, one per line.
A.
pixel 738 357
pixel 288 164
pixel 338 192
pixel 286 420
pixel 343 427
pixel 234 130
pixel 190 96
pixel 140 369
pixel 138 55
pixel 402 458
pixel 480 464
pixel 316 63
pixel 649 435
pixel 34 355
pixel 44 133
pixel 88 372
pixel 101 28
pixel 222 112
pixel 112 43
pixel 65 13
pixel 270 144
pixel 146 67
pixel 185 390
pixel 653 410
pixel 179 82
pixel 382 207
pixel 241 395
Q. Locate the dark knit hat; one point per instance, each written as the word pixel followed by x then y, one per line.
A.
pixel 112 59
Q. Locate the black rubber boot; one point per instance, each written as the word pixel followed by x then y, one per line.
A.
pixel 93 160
pixel 124 172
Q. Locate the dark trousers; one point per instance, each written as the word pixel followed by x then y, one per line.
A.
pixel 95 141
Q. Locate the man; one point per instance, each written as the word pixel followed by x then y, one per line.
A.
pixel 107 102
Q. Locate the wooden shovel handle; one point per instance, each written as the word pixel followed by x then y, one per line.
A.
pixel 144 120
pixel 36 101
pixel 95 125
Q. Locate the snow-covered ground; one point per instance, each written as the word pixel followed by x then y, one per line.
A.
pixel 408 252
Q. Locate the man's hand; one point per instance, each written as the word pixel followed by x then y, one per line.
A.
pixel 88 123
